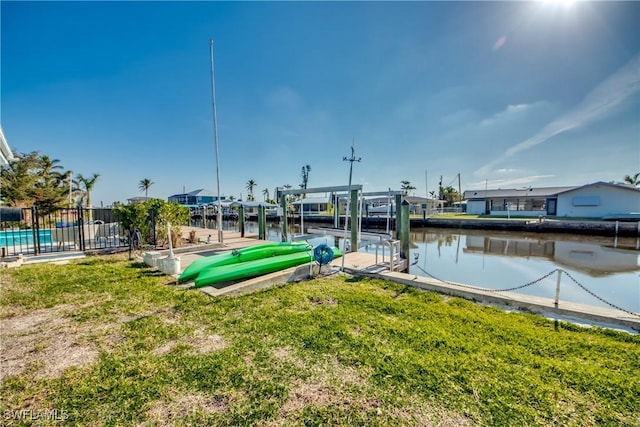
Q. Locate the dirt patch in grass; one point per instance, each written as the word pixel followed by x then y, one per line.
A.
pixel 201 341
pixel 421 414
pixel 44 339
pixel 286 355
pixel 331 302
pixel 180 406
pixel 303 394
pixel 330 383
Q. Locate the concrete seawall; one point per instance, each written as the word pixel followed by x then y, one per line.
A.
pixel 595 228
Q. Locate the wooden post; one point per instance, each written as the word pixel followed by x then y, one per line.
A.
pixel 404 230
pixel 284 223
pixel 354 220
pixel 241 220
pixel 398 215
pixel 261 223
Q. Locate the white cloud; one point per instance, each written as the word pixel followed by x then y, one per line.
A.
pixel 511 112
pixel 605 99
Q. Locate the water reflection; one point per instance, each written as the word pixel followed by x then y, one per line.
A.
pixel 608 267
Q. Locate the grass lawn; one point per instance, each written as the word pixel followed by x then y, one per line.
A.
pixel 104 341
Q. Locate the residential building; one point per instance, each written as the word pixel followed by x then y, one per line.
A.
pixel 596 200
pixel 195 198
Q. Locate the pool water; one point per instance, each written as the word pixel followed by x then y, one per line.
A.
pixel 23 237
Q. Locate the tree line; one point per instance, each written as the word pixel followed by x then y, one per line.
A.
pixel 36 180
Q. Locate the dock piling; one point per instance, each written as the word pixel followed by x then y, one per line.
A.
pixel 241 220
pixel 557 300
pixel 403 229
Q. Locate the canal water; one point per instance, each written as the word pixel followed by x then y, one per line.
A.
pixel 606 269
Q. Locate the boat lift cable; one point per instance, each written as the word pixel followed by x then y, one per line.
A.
pixel 533 282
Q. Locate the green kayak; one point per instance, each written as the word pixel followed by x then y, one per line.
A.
pixel 241 255
pixel 258 267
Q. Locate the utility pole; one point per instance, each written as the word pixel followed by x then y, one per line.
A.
pixel 351 159
pixel 459 191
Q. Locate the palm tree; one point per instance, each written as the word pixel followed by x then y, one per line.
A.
pixel 87 184
pixel 406 187
pixel 265 193
pixel 144 186
pixel 250 186
pixel 49 166
pixel 305 176
pixel 633 180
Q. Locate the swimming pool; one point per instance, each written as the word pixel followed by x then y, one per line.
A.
pixel 10 238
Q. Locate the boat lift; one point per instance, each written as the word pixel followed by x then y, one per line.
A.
pixel 355 202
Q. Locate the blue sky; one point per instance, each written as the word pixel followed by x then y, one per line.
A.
pixel 507 94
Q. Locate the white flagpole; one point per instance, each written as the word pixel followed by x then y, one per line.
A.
pixel 215 129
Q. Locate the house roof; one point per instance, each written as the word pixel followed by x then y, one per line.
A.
pixel 198 193
pixel 540 192
pixel 620 185
pixel 202 192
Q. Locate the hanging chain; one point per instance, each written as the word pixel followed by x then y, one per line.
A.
pixel 530 284
pixel 487 289
pixel 599 298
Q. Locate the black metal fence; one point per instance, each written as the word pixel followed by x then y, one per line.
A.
pixel 28 231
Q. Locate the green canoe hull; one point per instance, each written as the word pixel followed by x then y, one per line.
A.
pixel 241 255
pixel 249 269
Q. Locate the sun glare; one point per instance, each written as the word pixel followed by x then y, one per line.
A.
pixel 564 3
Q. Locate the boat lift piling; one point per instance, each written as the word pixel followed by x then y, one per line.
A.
pixel 262 223
pixel 403 229
pixel 241 220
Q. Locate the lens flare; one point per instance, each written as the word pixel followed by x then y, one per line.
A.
pixel 499 43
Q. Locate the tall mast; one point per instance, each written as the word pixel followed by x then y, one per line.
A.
pixel 215 131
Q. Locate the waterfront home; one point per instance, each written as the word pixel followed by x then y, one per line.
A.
pixel 313 205
pixel 195 198
pixel 596 200
pixel 251 208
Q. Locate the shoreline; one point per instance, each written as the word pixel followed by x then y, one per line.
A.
pixel 582 227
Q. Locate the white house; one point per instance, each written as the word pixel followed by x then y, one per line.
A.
pixel 597 200
pixel 5 152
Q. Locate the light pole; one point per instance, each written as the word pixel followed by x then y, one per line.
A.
pixel 215 131
pixel 351 159
pixel 70 188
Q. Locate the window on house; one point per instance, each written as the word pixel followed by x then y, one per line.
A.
pixel 586 201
